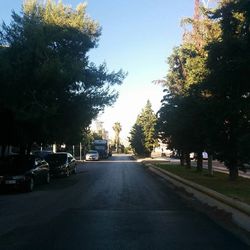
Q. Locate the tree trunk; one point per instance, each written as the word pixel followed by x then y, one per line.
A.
pixel 22 149
pixel 182 158
pixel 188 160
pixel 233 171
pixel 210 164
pixel 199 161
pixel 3 148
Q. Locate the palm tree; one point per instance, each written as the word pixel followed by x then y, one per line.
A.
pixel 117 128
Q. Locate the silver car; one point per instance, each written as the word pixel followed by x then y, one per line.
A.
pixel 92 155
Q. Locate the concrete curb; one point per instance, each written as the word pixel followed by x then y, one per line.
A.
pixel 240 211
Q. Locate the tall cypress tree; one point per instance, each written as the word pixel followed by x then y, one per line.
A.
pixel 143 134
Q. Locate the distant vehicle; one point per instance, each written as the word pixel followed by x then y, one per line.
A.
pixel 194 155
pixel 205 155
pixel 92 155
pixel 61 164
pixel 102 147
pixel 23 172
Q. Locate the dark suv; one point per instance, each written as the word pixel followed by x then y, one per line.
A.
pixel 61 164
pixel 23 171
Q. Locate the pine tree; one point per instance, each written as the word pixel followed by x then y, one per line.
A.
pixel 48 80
pixel 143 134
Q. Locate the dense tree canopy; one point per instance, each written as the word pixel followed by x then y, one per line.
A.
pixel 207 101
pixel 182 112
pixel 50 91
pixel 137 140
pixel 143 135
pixel 228 82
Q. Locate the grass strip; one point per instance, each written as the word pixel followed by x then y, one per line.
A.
pixel 219 182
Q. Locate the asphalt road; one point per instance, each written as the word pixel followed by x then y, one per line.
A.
pixel 112 204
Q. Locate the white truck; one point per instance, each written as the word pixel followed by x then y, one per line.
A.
pixel 102 147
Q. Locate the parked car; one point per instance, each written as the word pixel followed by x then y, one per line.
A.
pixel 194 155
pixel 204 155
pixel 23 172
pixel 61 164
pixel 92 155
pixel 244 166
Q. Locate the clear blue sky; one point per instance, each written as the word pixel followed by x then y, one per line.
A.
pixel 137 36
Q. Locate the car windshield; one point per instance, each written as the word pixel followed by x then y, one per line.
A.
pixel 102 147
pixel 42 154
pixel 92 152
pixel 56 157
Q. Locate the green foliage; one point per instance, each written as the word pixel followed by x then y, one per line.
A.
pixel 181 121
pixel 96 136
pixel 137 140
pixel 207 102
pixel 228 81
pixel 48 86
pixel 143 135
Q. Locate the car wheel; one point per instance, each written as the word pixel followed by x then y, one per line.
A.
pixel 47 179
pixel 30 185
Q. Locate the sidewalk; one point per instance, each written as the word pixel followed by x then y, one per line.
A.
pixel 220 167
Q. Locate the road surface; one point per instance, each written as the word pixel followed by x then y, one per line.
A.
pixel 110 204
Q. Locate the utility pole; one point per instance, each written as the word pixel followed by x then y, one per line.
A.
pixel 80 151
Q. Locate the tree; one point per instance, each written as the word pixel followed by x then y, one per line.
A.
pixel 228 84
pixel 143 135
pixel 137 140
pixel 208 88
pixel 117 129
pixel 182 124
pixel 183 118
pixel 44 60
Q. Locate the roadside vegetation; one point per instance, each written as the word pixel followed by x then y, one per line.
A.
pixel 206 106
pixel 207 101
pixel 50 90
pixel 239 190
pixel 143 137
pixel 117 127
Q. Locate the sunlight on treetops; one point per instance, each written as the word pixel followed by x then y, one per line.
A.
pixel 62 15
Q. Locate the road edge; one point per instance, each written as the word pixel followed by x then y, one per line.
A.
pixel 239 211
